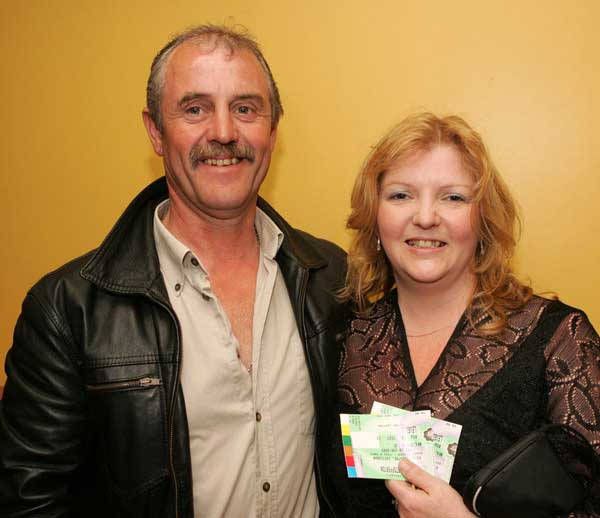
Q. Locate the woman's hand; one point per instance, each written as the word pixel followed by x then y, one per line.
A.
pixel 431 498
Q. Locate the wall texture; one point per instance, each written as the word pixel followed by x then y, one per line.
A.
pixel 526 73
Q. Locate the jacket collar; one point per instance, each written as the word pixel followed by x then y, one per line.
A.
pixel 127 262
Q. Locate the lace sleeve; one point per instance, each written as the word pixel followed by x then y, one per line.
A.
pixel 573 378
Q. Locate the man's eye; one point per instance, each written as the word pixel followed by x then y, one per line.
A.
pixel 193 110
pixel 244 110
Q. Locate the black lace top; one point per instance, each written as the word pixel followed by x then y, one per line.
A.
pixel 545 366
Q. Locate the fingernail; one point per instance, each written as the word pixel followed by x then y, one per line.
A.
pixel 403 465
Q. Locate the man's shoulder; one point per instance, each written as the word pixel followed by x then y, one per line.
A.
pixel 327 248
pixel 63 279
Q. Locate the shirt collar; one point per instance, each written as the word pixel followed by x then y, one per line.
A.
pixel 269 234
pixel 174 255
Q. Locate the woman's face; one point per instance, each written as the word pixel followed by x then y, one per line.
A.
pixel 425 220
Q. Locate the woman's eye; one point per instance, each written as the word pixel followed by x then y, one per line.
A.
pixel 455 197
pixel 399 196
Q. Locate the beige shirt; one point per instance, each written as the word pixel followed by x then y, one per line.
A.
pixel 251 434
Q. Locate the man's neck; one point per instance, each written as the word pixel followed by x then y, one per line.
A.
pixel 218 243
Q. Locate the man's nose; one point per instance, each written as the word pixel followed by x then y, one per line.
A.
pixel 222 127
pixel 426 214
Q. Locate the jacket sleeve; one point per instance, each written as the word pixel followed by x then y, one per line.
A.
pixel 42 416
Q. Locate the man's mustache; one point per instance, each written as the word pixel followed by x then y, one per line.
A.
pixel 213 150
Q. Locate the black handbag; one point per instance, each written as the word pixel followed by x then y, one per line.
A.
pixel 528 480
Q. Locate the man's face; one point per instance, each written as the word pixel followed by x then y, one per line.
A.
pixel 217 139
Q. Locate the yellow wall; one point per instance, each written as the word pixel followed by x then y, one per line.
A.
pixel 526 73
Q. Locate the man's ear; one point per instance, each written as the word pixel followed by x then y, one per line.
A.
pixel 153 132
pixel 273 138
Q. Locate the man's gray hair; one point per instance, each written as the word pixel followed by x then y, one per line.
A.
pixel 231 39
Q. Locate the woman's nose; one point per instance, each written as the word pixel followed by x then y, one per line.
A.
pixel 426 215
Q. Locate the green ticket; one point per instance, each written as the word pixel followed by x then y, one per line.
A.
pixel 442 435
pixel 445 436
pixel 373 445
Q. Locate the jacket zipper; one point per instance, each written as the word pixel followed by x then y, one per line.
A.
pixel 301 301
pixel 125 385
pixel 173 397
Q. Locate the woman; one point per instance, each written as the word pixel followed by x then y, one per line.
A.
pixel 441 323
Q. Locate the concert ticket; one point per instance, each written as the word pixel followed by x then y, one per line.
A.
pixel 375 443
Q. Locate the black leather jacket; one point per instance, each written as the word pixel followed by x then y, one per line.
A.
pixel 93 420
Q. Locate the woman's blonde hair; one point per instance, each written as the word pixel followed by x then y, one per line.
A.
pixel 369 272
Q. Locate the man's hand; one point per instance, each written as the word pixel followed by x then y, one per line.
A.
pixel 425 496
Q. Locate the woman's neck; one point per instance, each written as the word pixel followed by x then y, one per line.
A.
pixel 430 307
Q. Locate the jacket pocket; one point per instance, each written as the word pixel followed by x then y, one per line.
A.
pixel 141 383
pixel 129 422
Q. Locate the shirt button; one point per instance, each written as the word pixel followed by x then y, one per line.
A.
pixel 195 261
pixel 258 416
pixel 266 487
pixel 177 287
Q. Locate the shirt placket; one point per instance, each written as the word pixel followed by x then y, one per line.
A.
pixel 267 469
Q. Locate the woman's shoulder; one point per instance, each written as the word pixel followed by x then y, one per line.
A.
pixel 560 311
pixel 376 324
pixel 539 309
pixel 570 327
pixel 541 317
pixel 384 307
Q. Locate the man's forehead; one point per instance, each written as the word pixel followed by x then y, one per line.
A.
pixel 195 51
pixel 204 70
pixel 208 45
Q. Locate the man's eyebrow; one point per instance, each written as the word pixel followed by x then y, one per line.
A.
pixel 195 96
pixel 192 96
pixel 250 97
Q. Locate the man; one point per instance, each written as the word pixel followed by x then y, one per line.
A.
pixel 178 370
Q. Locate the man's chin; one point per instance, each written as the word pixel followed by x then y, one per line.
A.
pixel 230 207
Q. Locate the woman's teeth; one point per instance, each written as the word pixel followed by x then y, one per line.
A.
pixel 422 243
